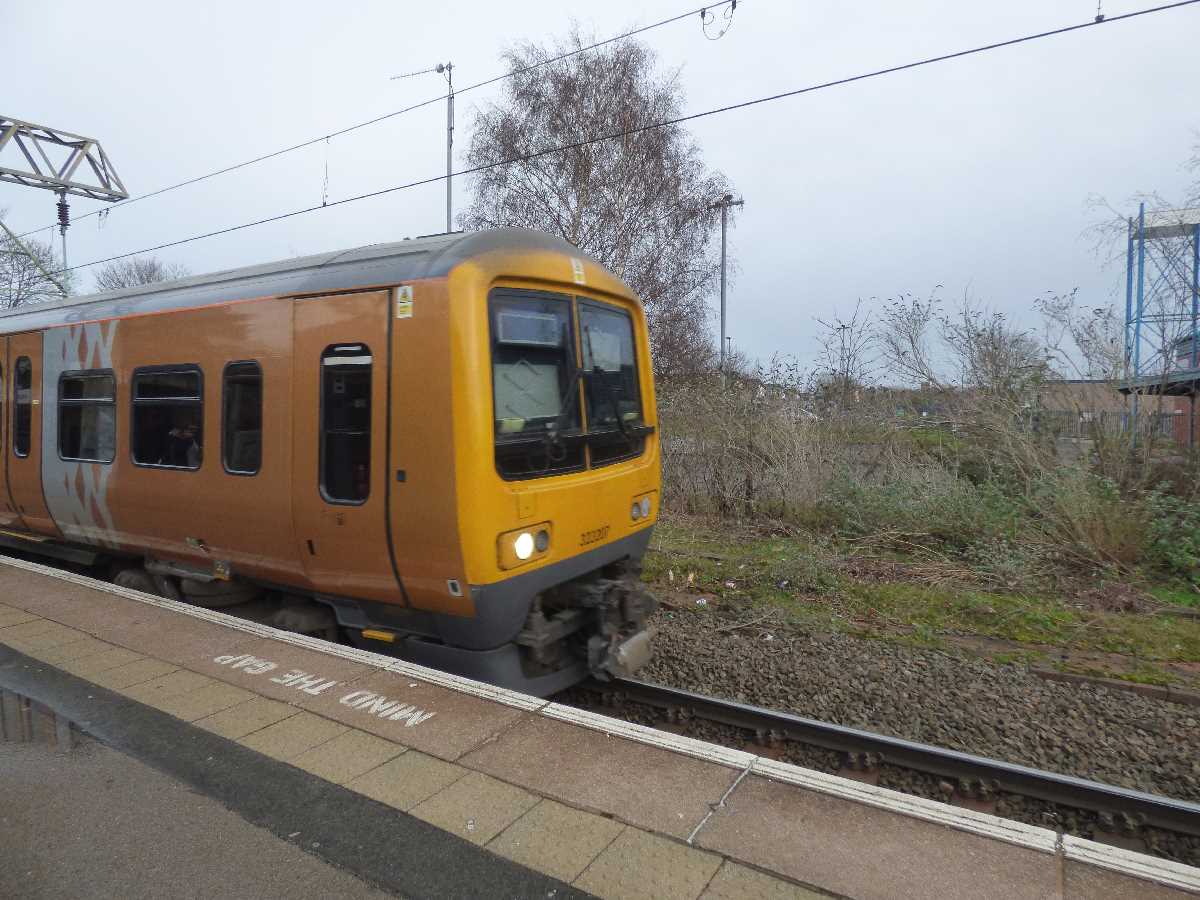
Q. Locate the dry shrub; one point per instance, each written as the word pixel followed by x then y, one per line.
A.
pixel 977 485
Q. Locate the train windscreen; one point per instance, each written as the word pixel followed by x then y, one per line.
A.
pixel 534 380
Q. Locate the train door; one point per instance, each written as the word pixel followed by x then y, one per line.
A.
pixel 340 424
pixel 23 451
pixel 8 509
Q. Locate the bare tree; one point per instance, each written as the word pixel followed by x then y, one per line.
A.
pixel 29 271
pixel 638 203
pixel 991 354
pixel 846 364
pixel 1083 342
pixel 125 273
pixel 904 335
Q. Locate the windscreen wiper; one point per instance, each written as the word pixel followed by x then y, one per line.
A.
pixel 608 388
pixel 613 404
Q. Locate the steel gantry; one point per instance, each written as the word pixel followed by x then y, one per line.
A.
pixel 40 156
pixel 1162 307
pixel 49 158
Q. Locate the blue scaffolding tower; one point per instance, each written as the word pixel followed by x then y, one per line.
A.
pixel 1162 307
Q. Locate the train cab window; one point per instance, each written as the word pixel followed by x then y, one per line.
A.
pixel 614 403
pixel 241 418
pixel 87 416
pixel 22 406
pixel 168 417
pixel 535 384
pixel 346 423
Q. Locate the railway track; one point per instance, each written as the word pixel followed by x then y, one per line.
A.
pixel 767 729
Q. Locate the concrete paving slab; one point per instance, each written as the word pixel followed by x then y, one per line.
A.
pixel 180 681
pixel 287 739
pixel 734 882
pixel 407 780
pixel 88 646
pixel 1086 882
pixel 643 866
pixel 131 674
pixel 201 702
pixel 347 756
pixel 27 629
pixel 869 853
pixel 31 592
pixel 94 664
pixel 187 641
pixel 264 666
pixel 113 618
pixel 476 807
pixel 556 839
pixel 10 615
pixel 246 718
pixel 645 786
pixel 33 645
pixel 458 723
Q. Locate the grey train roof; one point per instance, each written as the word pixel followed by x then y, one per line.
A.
pixel 408 260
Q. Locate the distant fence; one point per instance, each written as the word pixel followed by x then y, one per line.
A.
pixel 1084 425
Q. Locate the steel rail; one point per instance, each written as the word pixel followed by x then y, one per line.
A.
pixel 1179 816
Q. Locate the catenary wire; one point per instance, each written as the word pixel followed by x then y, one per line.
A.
pixel 649 126
pixel 399 112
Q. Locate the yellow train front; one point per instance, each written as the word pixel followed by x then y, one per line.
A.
pixel 547 423
pixel 443 448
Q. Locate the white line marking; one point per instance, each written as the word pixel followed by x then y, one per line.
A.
pixel 1128 862
pixel 725 756
pixel 969 820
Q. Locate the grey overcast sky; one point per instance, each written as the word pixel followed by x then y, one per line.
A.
pixel 972 174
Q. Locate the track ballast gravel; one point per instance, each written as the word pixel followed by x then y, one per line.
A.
pixel 967 704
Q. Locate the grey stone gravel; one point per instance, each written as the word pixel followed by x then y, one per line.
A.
pixel 934 697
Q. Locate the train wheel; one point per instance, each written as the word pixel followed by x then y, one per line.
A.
pixel 138 580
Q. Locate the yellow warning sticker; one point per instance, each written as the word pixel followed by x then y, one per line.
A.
pixel 577 270
pixel 404 302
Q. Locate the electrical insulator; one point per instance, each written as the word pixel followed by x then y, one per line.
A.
pixel 64 215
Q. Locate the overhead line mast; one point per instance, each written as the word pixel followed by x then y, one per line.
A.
pixel 447 69
pixel 724 204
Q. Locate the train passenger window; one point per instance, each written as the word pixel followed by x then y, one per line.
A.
pixel 87 416
pixel 241 417
pixel 22 406
pixel 614 403
pixel 168 417
pixel 346 423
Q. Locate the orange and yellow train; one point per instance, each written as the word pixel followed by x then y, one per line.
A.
pixel 445 447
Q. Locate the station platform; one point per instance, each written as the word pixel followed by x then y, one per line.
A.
pixel 426 784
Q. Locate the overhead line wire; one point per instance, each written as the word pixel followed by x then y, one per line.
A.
pixel 653 125
pixel 399 112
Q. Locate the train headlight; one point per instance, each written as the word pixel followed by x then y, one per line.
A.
pixel 523 546
pixel 641 507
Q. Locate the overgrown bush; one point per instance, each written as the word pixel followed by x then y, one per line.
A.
pixel 920 503
pixel 974 483
pixel 1173 535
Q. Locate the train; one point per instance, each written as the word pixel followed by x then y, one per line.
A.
pixel 443 448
